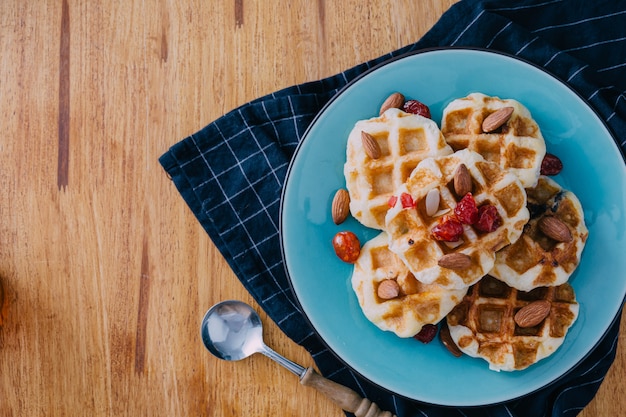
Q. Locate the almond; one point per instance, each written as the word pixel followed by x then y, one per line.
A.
pixel 431 202
pixel 341 206
pixel 455 261
pixel 372 149
pixel 394 101
pixel 462 181
pixel 533 313
pixel 388 289
pixel 447 341
pixel 497 119
pixel 454 245
pixel 555 229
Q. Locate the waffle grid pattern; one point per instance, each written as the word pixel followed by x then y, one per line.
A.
pixel 404 140
pixel 410 230
pixel 517 146
pixel 483 324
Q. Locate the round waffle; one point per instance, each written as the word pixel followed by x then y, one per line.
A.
pixel 410 229
pixel 404 140
pixel 536 260
pixel 417 304
pixel 483 324
pixel 518 145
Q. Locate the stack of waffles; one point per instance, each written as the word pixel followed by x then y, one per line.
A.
pixel 471 232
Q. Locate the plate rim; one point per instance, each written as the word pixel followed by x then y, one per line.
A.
pixel 288 176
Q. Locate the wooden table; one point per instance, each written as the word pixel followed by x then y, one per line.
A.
pixel 107 274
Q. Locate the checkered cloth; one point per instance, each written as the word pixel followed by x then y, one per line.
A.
pixel 231 172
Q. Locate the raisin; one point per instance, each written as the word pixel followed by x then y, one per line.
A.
pixel 347 246
pixel 416 107
pixel 488 218
pixel 407 200
pixel 427 334
pixel 449 229
pixel 551 165
pixel 466 210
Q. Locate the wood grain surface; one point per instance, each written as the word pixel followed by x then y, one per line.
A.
pixel 106 272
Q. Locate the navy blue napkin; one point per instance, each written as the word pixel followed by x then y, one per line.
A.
pixel 231 172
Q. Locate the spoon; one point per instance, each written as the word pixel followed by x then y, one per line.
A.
pixel 232 330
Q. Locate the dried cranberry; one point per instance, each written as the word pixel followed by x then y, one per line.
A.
pixel 416 107
pixel 466 210
pixel 449 229
pixel 488 218
pixel 392 201
pixel 551 165
pixel 407 200
pixel 347 246
pixel 427 334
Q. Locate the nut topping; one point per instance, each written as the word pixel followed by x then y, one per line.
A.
pixel 394 101
pixel 462 181
pixel 341 206
pixel 497 119
pixel 447 341
pixel 388 289
pixel 431 202
pixel 372 149
pixel 455 261
pixel 555 229
pixel 533 313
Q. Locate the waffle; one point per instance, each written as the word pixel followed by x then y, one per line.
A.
pixel 537 260
pixel 483 325
pixel 404 140
pixel 416 305
pixel 410 229
pixel 517 146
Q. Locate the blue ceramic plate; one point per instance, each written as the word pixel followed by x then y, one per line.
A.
pixel 594 170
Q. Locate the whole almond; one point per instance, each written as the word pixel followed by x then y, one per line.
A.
pixel 455 260
pixel 555 229
pixel 370 145
pixel 388 289
pixel 394 101
pixel 447 341
pixel 497 119
pixel 341 206
pixel 462 181
pixel 533 313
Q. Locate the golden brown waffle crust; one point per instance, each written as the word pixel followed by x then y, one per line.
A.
pixel 518 146
pixel 405 140
pixel 410 229
pixel 483 325
pixel 535 260
pixel 418 304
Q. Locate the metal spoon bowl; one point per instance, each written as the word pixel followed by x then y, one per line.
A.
pixel 232 330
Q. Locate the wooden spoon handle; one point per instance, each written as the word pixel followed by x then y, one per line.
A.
pixel 344 397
